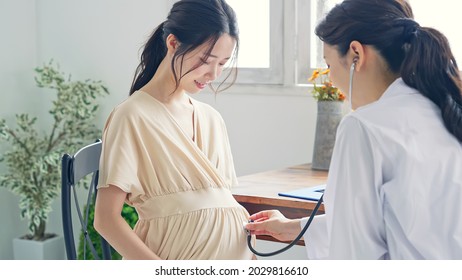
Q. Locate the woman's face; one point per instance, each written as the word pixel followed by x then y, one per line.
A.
pixel 371 75
pixel 339 70
pixel 206 69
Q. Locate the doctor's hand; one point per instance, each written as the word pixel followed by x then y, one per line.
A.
pixel 275 224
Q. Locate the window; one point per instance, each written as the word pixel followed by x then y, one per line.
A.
pixel 278 45
pixel 269 40
pixel 261 33
pixel 255 36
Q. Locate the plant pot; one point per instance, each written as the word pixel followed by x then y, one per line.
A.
pixel 50 249
pixel 328 118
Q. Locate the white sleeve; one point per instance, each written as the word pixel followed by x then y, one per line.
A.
pixel 352 202
pixel 316 243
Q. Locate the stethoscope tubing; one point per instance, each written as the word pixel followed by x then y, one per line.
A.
pixel 305 228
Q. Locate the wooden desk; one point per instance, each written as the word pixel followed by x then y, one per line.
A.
pixel 257 192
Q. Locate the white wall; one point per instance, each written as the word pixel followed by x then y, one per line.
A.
pixel 17 61
pixel 101 40
pixel 266 131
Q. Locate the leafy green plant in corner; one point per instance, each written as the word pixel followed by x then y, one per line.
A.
pixel 33 168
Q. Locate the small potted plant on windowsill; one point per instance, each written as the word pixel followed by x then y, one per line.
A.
pixel 329 115
pixel 33 161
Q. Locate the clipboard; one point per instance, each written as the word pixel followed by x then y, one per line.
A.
pixel 310 193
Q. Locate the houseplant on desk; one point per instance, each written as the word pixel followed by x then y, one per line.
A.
pixel 329 100
pixel 33 160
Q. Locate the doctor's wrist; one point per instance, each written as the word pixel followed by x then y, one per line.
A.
pixel 291 228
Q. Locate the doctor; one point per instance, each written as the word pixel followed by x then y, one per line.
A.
pixel 395 182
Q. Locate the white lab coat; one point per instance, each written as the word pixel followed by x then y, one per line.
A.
pixel 394 189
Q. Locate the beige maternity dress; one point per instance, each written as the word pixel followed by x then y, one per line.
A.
pixel 179 187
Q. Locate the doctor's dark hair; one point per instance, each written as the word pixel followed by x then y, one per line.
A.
pixel 420 55
pixel 193 23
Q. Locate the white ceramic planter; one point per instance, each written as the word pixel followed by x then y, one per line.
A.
pixel 50 249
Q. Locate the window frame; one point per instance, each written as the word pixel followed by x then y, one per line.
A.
pixel 303 57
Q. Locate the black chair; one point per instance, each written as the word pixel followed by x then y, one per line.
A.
pixel 74 168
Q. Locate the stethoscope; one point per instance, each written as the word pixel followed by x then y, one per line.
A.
pixel 305 228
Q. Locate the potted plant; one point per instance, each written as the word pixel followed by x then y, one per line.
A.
pixel 329 115
pixel 33 161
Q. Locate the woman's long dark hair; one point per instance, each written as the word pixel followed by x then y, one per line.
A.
pixel 421 55
pixel 193 22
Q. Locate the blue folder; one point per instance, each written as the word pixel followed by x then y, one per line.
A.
pixel 310 193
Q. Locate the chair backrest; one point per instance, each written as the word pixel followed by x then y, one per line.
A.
pixel 74 168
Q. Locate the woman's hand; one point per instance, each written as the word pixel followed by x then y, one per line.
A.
pixel 275 224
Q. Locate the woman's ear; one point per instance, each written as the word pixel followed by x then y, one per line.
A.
pixel 356 55
pixel 172 43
